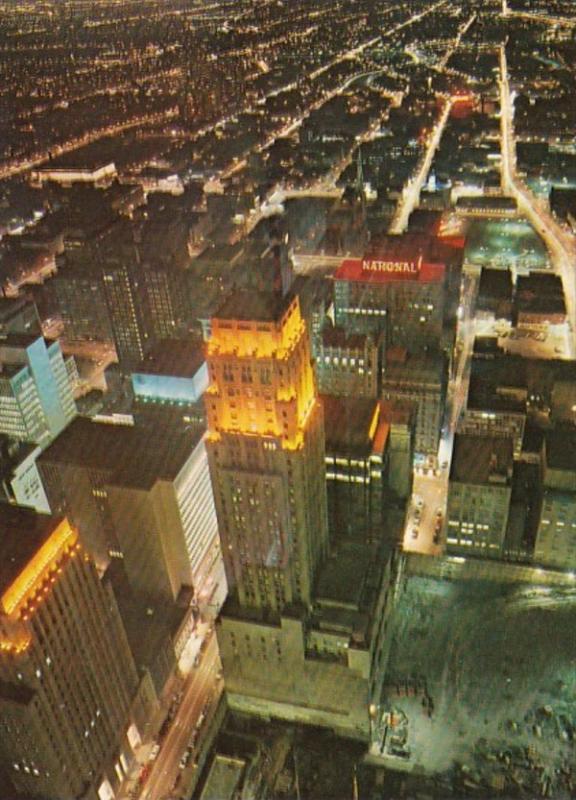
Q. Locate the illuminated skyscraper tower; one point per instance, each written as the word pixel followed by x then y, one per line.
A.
pixel 68 682
pixel 266 450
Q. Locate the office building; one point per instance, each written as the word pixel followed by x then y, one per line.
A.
pixel 556 536
pixel 79 292
pixel 68 683
pixel 421 380
pixel 397 290
pixel 347 364
pixel 324 668
pixel 36 401
pixel 126 302
pixel 142 495
pixel 169 384
pixel 266 450
pixel 401 419
pixel 479 495
pixel 357 468
pixel 20 481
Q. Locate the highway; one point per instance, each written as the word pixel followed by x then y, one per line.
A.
pixel 561 245
pixel 201 687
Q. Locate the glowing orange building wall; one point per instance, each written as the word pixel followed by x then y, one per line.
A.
pixel 266 449
pixel 67 677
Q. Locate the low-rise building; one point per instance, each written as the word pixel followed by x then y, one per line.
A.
pixel 556 536
pixel 479 495
pixel 495 290
pixel 539 300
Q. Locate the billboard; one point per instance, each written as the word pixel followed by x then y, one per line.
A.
pixel 404 270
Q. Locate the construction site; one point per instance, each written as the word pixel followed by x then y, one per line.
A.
pixel 480 688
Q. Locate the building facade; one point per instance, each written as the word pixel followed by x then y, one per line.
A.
pixel 347 365
pixel 357 467
pixel 65 721
pixel 36 401
pixel 397 293
pixel 141 497
pixel 479 495
pixel 556 536
pixel 266 450
pixel 420 380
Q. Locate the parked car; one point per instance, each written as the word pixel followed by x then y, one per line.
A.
pixel 154 752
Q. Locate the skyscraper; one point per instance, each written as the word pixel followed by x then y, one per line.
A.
pixel 141 495
pixel 36 401
pixel 67 677
pixel 266 450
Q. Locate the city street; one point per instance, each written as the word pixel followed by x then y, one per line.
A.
pixel 411 192
pixel 560 243
pixel 201 687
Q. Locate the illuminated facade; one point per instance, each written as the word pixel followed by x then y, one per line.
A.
pixel 36 400
pixel 347 365
pixel 142 495
pixel 266 450
pixel 479 495
pixel 396 289
pixel 67 677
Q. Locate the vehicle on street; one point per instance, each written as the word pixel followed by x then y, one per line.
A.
pixel 154 752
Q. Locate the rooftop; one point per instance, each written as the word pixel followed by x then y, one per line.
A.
pixel 223 779
pixel 338 337
pixel 18 694
pixel 350 424
pixel 21 340
pixel 410 257
pixel 495 283
pixel 253 306
pixel 175 357
pixel 428 367
pixel 481 459
pixel 341 579
pixel 132 456
pixel 561 449
pixel 22 533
